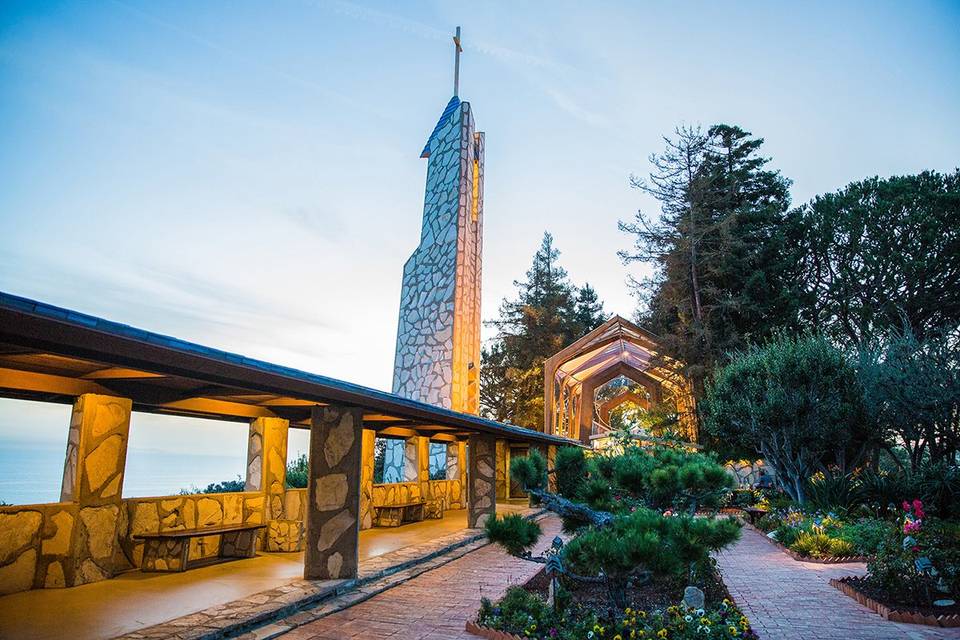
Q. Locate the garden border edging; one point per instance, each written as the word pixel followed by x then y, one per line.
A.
pixel 894 615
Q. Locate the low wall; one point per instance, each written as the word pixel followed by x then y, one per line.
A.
pixel 36 541
pixel 174 513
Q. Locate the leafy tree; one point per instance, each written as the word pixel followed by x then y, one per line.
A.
pixel 912 390
pixel 880 253
pixel 721 247
pixel 548 313
pixel 797 401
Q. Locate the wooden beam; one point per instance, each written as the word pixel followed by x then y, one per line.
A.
pixel 290 402
pixel 218 408
pixel 119 373
pixel 17 380
pixel 398 432
pixel 379 417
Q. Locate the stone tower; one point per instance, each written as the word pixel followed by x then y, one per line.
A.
pixel 438 335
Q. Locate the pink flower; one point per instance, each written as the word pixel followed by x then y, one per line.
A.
pixel 906 506
pixel 918 508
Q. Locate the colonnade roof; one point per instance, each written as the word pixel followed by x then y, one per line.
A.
pixel 52 354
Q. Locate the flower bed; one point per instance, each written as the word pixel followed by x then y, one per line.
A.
pixel 796 556
pixel 824 538
pixel 523 613
pixel 853 587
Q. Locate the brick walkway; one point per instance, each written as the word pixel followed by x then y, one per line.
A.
pixel 433 606
pixel 790 600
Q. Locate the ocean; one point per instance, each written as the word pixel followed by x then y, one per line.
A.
pixel 31 474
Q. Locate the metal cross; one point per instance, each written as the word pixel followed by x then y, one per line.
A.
pixel 456 66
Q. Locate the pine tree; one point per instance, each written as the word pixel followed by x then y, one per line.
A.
pixel 548 313
pixel 724 271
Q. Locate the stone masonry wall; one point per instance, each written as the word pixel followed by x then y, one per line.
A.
pixel 438 339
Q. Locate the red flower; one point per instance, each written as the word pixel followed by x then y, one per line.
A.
pixel 906 506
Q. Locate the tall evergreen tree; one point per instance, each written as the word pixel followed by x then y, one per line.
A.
pixel 548 313
pixel 724 272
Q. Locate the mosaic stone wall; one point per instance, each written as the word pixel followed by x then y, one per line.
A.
pixel 747 472
pixel 503 464
pixel 482 500
pixel 333 497
pixel 176 513
pixel 438 335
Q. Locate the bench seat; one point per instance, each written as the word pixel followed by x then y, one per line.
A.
pixel 170 550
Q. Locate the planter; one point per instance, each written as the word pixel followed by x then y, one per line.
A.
pixel 907 615
pixel 796 556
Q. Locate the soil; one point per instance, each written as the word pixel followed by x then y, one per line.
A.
pixel 659 593
pixel 864 587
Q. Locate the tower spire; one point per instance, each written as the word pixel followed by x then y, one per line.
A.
pixel 456 64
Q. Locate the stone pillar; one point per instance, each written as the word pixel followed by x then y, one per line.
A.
pixel 366 478
pixel 333 496
pixel 503 470
pixel 462 456
pixel 423 466
pixel 267 474
pixel 93 479
pixel 482 498
pixel 267 463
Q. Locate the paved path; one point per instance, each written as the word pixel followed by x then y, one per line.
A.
pixel 433 606
pixel 790 600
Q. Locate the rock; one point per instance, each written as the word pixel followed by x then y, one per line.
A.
pixel 209 512
pixel 16 531
pixel 334 564
pixel 331 492
pixel 107 416
pixel 55 578
pixel 145 518
pixel 18 575
pixel 333 528
pixel 693 598
pixel 59 543
pixel 339 440
pixel 101 526
pixel 103 462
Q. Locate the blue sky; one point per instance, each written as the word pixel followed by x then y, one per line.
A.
pixel 246 175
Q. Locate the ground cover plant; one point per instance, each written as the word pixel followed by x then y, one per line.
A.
pixel 638 548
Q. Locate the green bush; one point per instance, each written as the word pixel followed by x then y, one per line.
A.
pixel 820 545
pixel 298 471
pixel 530 471
pixel 513 532
pixel 570 471
pixel 833 492
pixel 866 535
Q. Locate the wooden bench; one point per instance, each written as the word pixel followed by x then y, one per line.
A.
pixel 393 515
pixel 170 550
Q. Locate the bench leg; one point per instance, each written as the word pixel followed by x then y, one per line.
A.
pixel 165 555
pixel 238 544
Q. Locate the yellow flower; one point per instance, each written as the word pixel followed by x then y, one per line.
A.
pixel 633 634
pixel 642 614
pixel 618 637
pixel 662 633
pixel 628 611
pixel 705 621
pixel 733 630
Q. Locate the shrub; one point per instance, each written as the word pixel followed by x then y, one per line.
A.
pixel 570 470
pixel 831 492
pixel 529 470
pixel 227 486
pixel 513 532
pixel 820 545
pixel 298 472
pixel 866 535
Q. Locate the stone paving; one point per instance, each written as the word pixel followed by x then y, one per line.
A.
pixel 790 600
pixel 319 598
pixel 433 606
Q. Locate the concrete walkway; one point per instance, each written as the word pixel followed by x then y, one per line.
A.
pixel 433 606
pixel 790 600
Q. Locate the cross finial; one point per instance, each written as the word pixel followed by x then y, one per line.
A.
pixel 456 64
